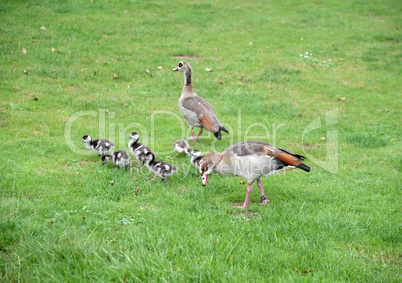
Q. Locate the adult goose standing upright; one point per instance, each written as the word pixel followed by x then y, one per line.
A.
pixel 250 160
pixel 196 110
pixel 100 146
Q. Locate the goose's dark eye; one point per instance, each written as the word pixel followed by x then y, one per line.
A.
pixel 180 65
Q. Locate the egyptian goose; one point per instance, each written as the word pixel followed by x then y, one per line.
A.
pixel 137 149
pixel 195 109
pixel 159 168
pixel 182 146
pixel 196 157
pixel 250 160
pixel 120 158
pixel 100 146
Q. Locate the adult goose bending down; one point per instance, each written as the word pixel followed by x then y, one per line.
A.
pixel 100 146
pixel 250 160
pixel 120 158
pixel 137 149
pixel 196 110
pixel 159 168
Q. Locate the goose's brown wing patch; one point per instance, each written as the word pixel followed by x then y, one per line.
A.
pixel 209 124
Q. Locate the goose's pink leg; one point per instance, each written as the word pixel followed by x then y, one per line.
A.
pixel 245 204
pixel 249 189
pixel 202 129
pixel 263 197
pixel 196 137
pixel 192 135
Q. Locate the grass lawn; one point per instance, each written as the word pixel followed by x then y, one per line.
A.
pixel 286 72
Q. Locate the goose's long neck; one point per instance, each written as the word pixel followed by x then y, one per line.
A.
pixel 221 167
pixel 188 81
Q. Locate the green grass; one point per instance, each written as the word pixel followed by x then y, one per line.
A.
pixel 62 221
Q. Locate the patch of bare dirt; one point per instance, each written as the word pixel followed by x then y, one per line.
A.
pixel 307 146
pixel 184 57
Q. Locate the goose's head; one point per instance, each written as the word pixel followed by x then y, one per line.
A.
pixel 134 136
pixel 195 152
pixel 105 159
pixel 86 138
pixel 182 67
pixel 208 164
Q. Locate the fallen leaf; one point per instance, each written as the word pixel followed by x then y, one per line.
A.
pixel 14 68
pixel 160 68
pixel 137 191
pixel 323 139
pixel 300 115
pixel 242 182
pixel 25 72
pixel 307 271
pixel 301 38
pixel 250 43
pixel 43 28
pixel 342 98
pixel 83 217
pixel 36 133
pixel 266 107
pixel 147 71
pixel 12 52
pixel 16 87
pixel 216 49
pixel 53 71
pixel 115 76
pixel 35 98
pixel 208 69
pixel 220 82
pixel 24 51
pixel 112 11
pixel 14 59
pixel 73 19
pixel 112 182
pixel 125 104
pixel 217 240
pixel 53 50
pixel 51 223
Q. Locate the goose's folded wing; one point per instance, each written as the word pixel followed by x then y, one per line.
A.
pixel 204 112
